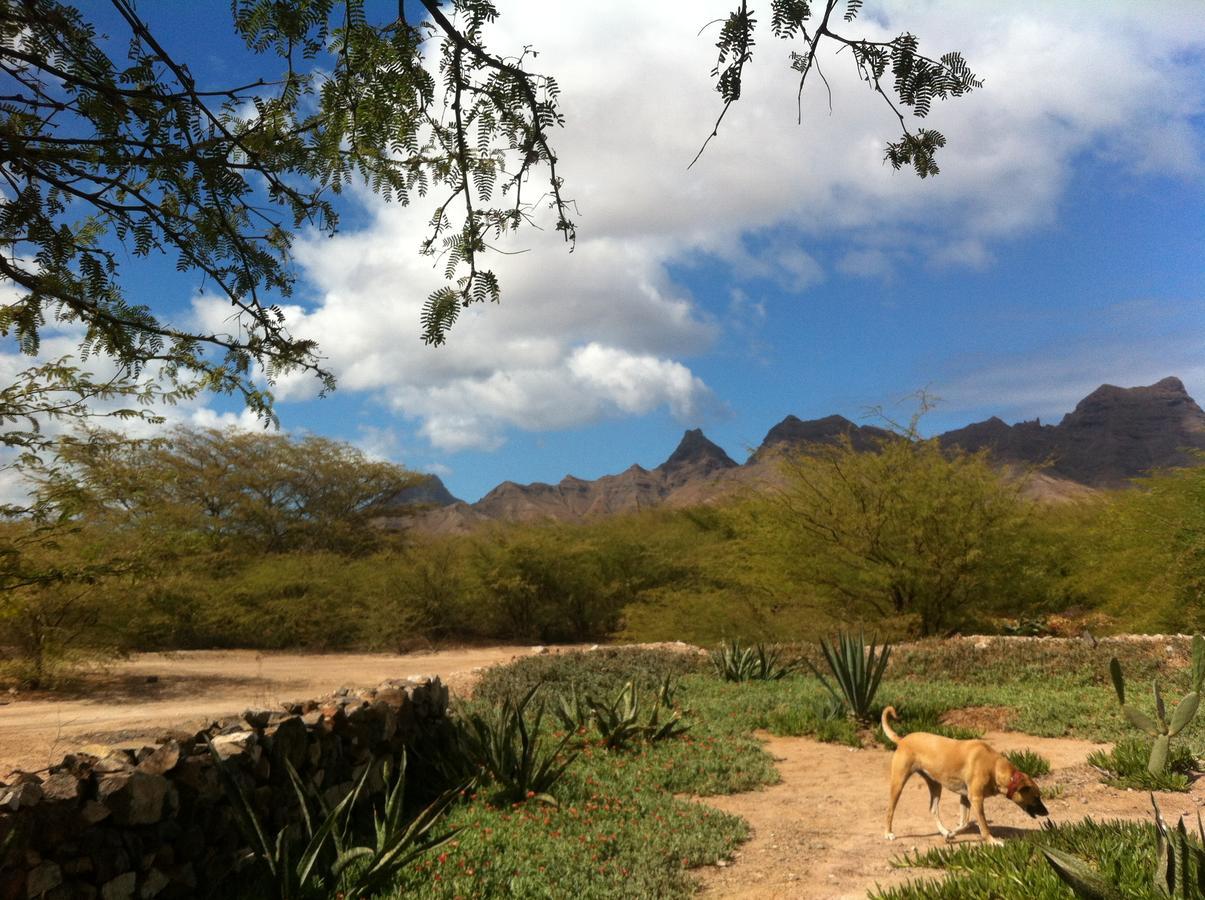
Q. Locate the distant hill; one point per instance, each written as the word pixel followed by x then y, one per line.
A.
pixel 1113 435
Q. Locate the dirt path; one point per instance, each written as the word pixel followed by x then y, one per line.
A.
pixel 819 834
pixel 153 693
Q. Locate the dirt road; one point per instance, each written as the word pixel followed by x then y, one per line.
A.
pixel 819 834
pixel 152 693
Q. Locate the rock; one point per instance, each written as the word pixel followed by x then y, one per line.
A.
pixel 120 888
pixel 287 740
pixel 21 796
pixel 61 787
pixel 162 760
pixel 237 744
pixel 154 882
pixel 539 651
pixel 42 879
pixel 134 798
pixel 257 718
pixel 94 812
pixel 982 644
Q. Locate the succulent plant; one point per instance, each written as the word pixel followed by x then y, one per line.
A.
pixel 857 670
pixel 1161 728
pixel 759 662
pixel 619 722
pixel 1179 865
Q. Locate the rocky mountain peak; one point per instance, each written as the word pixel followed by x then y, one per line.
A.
pixel 698 451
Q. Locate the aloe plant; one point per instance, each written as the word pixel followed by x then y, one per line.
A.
pixel 759 662
pixel 1161 728
pixel 514 752
pixel 619 721
pixel 857 670
pixel 327 856
pixel 1179 865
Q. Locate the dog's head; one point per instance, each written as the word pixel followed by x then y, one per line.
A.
pixel 1023 792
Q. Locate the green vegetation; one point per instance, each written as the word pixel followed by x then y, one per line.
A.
pixel 510 746
pixel 759 662
pixel 1032 763
pixel 330 862
pixel 1018 871
pixel 1185 710
pixel 857 670
pixel 1127 766
pixel 1179 870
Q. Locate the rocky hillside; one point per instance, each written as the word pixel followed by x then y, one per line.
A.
pixel 1114 434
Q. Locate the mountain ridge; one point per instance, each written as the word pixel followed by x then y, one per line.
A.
pixel 1113 435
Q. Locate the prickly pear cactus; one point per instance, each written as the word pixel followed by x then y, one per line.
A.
pixel 1161 728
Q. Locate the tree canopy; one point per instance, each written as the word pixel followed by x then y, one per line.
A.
pixel 112 157
pixel 210 488
pixel 909 529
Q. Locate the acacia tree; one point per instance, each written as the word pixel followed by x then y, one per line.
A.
pixel 214 489
pixel 108 158
pixel 910 529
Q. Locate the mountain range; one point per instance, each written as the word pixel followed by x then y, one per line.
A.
pixel 1113 435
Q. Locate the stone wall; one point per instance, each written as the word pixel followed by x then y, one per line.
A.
pixel 156 822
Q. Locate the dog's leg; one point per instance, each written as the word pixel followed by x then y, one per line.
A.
pixel 977 801
pixel 901 771
pixel 935 806
pixel 964 813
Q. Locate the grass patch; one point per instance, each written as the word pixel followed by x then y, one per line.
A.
pixel 1032 763
pixel 1124 851
pixel 1125 766
pixel 620 827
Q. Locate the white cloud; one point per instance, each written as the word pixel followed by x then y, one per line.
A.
pixel 605 331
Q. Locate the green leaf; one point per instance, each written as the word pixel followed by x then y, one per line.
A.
pixel 1119 684
pixel 1085 881
pixel 1185 710
pixel 1141 720
pixel 1158 762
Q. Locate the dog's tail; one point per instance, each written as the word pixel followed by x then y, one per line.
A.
pixel 890 713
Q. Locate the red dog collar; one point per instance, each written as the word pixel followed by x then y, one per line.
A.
pixel 1014 783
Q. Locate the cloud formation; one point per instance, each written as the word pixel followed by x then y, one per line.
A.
pixel 605 331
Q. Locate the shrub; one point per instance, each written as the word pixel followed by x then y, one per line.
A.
pixel 1033 764
pixel 759 662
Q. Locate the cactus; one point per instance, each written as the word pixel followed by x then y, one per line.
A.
pixel 1163 730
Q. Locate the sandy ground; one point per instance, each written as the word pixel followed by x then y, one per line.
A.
pixel 819 834
pixel 153 693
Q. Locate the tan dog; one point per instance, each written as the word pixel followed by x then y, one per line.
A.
pixel 971 769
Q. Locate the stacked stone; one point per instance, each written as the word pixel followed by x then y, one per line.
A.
pixel 157 822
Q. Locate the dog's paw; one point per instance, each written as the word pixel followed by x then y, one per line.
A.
pixel 890 835
pixel 949 836
pixel 994 842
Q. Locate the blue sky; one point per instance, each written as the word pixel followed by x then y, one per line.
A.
pixel 788 272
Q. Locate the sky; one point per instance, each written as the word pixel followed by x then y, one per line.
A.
pixel 790 271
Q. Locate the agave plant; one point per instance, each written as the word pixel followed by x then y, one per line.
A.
pixel 1179 865
pixel 514 752
pixel 758 662
pixel 618 721
pixel 857 671
pixel 1163 730
pixel 327 856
